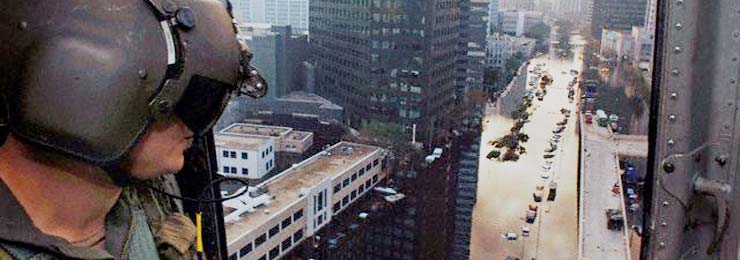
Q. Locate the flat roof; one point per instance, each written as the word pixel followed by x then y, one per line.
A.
pixel 254 129
pixel 286 187
pixel 239 142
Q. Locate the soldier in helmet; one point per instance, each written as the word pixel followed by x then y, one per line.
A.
pixel 100 95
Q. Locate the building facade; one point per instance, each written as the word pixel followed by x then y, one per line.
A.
pixel 501 47
pixel 517 23
pixel 465 143
pixel 616 15
pixel 389 61
pixel 249 157
pixel 282 212
pixel 274 12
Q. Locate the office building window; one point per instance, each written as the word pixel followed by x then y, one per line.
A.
pixel 336 207
pixel 264 257
pixel 233 257
pixel 245 250
pixel 267 166
pixel 337 188
pixel 345 201
pixel 287 243
pixel 375 178
pixel 367 184
pixel 353 195
pixel 226 169
pixel 362 172
pixel 361 188
pixel 233 169
pixel 270 148
pixel 245 171
pixel 297 235
pixel 274 252
pixel 346 182
pixel 245 156
pixel 274 230
pixel 367 168
pixel 261 239
pixel 375 162
pixel 354 176
pixel 226 154
pixel 286 222
pixel 297 215
pixel 233 154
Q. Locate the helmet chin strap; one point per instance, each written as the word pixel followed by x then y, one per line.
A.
pixel 119 176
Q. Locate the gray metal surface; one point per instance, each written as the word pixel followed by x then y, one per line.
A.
pixel 695 132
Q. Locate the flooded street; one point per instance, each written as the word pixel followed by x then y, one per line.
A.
pixel 505 188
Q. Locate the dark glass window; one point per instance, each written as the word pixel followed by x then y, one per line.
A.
pixel 354 176
pixel 245 156
pixel 297 235
pixel 226 154
pixel 336 207
pixel 287 243
pixel 233 169
pixel 286 222
pixel 245 250
pixel 274 252
pixel 375 178
pixel 274 230
pixel 297 215
pixel 233 154
pixel 353 195
pixel 337 188
pixel 375 162
pixel 367 168
pixel 233 257
pixel 261 239
pixel 264 257
pixel 362 172
pixel 345 200
pixel 346 182
pixel 245 171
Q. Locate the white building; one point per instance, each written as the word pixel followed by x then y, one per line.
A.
pixel 285 139
pixel 283 211
pixel 501 47
pixel 275 12
pixel 518 23
pixel 248 157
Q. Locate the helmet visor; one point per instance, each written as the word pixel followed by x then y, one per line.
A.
pixel 202 103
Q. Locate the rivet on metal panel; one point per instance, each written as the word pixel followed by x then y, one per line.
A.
pixel 675 72
pixel 665 203
pixel 671 142
pixel 142 73
pixel 672 117
pixel 661 244
pixel 22 25
pixel 674 95
pixel 668 167
pixel 677 49
pixel 663 223
pixel 678 26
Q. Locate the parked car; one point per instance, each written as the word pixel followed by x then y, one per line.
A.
pixel 545 175
pixel 508 236
pixel 548 156
pixel 525 231
pixel 537 195
pixel 531 216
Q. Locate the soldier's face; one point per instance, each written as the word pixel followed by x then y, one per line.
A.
pixel 161 149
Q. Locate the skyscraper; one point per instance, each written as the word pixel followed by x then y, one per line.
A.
pixel 618 15
pixel 275 12
pixel 391 61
